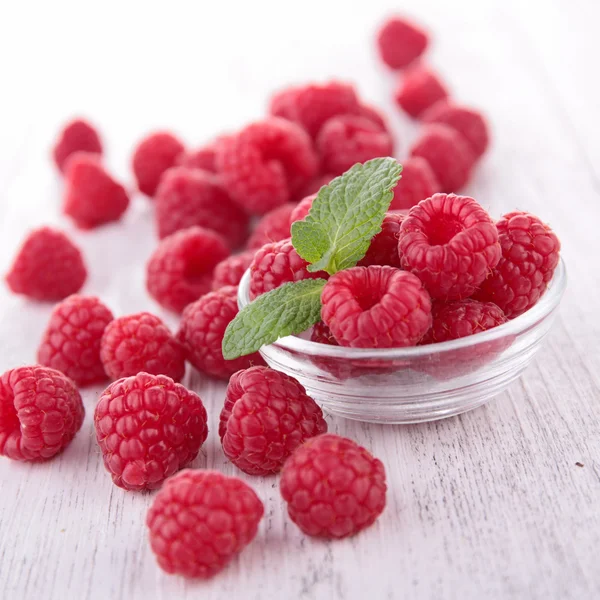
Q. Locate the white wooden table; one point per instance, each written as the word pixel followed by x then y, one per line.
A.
pixel 502 502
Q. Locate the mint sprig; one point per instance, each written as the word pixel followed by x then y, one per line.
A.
pixel 345 216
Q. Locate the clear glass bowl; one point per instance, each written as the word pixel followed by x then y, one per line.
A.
pixel 417 384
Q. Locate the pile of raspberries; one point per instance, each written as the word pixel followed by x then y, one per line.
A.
pixel 440 271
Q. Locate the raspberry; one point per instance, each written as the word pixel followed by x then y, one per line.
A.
pixel 384 246
pixel 141 342
pixel 181 268
pixel 448 155
pixel 187 197
pixel 200 520
pixel 152 157
pixel 40 413
pixel 376 307
pixel 47 267
pixel 273 227
pixel 321 334
pixel 266 416
pixel 77 136
pixel 374 116
pixel 333 487
pixel 265 164
pixel 230 271
pixel 417 183
pixel 400 42
pixel 312 105
pixel 451 243
pixel 460 318
pixel 530 253
pixel 71 342
pixel 201 333
pixel 348 139
pixel 302 209
pixel 276 264
pixel 314 185
pixel 466 121
pixel 148 427
pixel 204 158
pixel 92 197
pixel 419 89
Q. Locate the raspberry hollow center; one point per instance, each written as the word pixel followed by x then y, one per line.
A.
pixel 368 297
pixel 440 230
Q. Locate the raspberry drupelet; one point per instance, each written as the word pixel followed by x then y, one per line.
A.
pixel 418 89
pixel 384 246
pixel 230 271
pixel 400 42
pixel 274 226
pixel 302 209
pixel 77 136
pixel 418 182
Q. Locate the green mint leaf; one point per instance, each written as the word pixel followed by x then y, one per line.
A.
pixel 345 216
pixel 291 308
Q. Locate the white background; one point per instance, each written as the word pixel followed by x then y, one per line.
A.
pixel 486 505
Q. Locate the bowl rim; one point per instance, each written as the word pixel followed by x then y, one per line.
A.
pixel 545 306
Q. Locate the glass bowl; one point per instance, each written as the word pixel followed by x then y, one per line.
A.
pixel 417 384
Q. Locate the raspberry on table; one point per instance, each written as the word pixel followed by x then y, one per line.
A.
pixel 333 487
pixel 384 246
pixel 400 42
pixel 155 154
pixel 274 226
pixel 374 115
pixel 200 520
pixel 266 163
pixel 266 416
pixel 418 182
pixel 466 121
pixel 275 264
pixel 40 413
pixel 48 266
pixel 77 136
pixel 229 272
pixel 302 209
pixel 418 89
pixel 349 139
pixel 448 155
pixel 314 185
pixel 148 427
pixel 312 105
pixel 180 270
pixel 530 253
pixel 451 243
pixel 91 196
pixel 376 307
pixel 201 333
pixel 141 342
pixel 187 197
pixel 71 342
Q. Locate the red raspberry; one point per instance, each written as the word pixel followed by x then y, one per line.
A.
pixel 466 121
pixel 460 318
pixel 451 243
pixel 181 268
pixel 314 185
pixel 265 164
pixel 47 267
pixel 187 197
pixel 266 416
pixel 141 342
pixel 419 89
pixel 321 334
pixel 272 227
pixel 530 253
pixel 417 183
pixel 276 264
pixel 77 136
pixel 71 342
pixel 384 246
pixel 200 520
pixel 155 154
pixel 40 413
pixel 302 209
pixel 230 271
pixel 348 139
pixel 448 155
pixel 92 197
pixel 148 427
pixel 376 307
pixel 201 333
pixel 400 42
pixel 333 487
pixel 312 105
pixel 204 158
pixel 374 116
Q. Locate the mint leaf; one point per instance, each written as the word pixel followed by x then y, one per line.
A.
pixel 345 216
pixel 291 308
